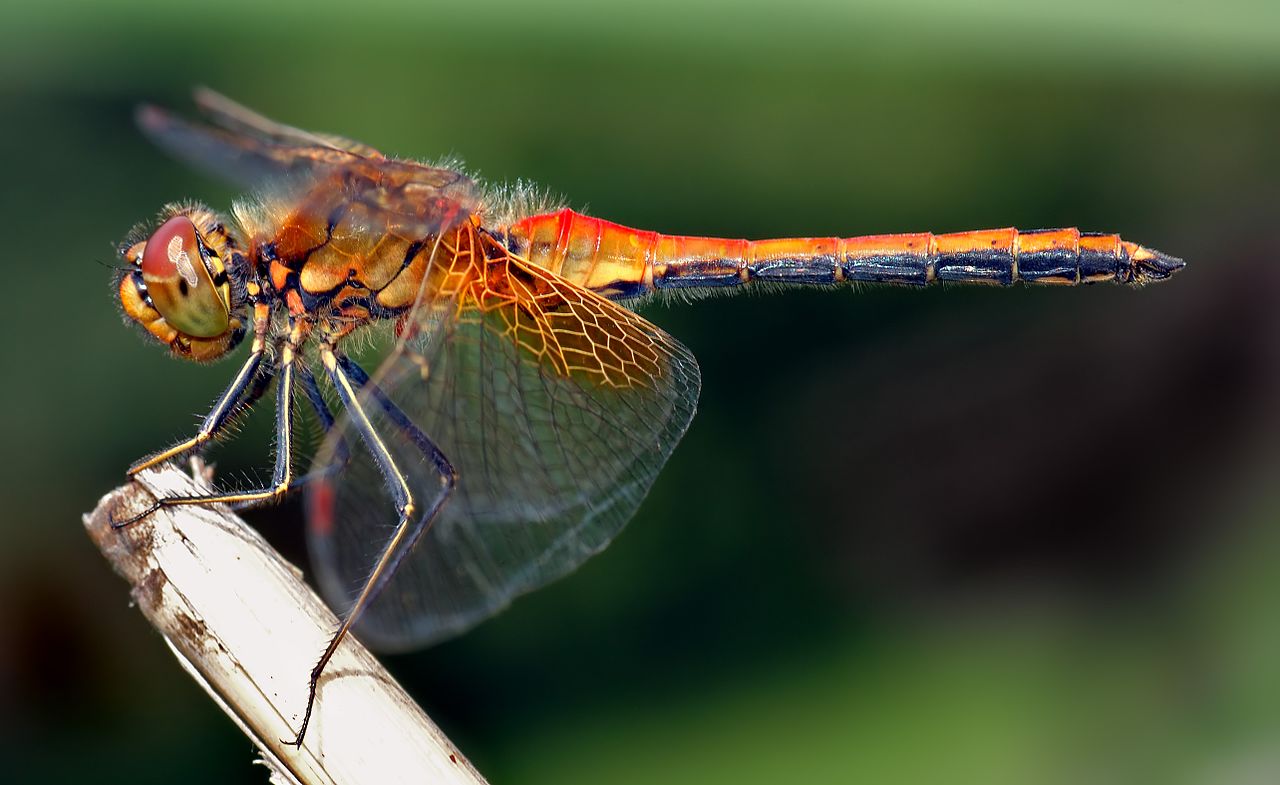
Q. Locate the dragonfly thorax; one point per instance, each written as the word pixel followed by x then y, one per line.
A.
pixel 184 283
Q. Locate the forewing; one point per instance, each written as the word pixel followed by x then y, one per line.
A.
pixel 292 165
pixel 556 407
pixel 243 121
pixel 239 157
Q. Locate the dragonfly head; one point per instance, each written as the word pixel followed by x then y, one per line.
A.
pixel 184 282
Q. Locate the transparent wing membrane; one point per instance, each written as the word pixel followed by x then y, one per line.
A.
pixel 557 409
pixel 243 121
pixel 309 170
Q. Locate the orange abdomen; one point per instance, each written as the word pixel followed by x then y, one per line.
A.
pixel 619 262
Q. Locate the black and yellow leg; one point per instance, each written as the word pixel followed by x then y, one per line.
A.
pixel 423 444
pixel 347 378
pixel 259 388
pixel 341 453
pixel 282 476
pixel 232 401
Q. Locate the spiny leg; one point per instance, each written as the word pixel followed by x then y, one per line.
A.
pixel 260 385
pixel 424 445
pixel 232 402
pixel 341 453
pixel 282 476
pixel 346 377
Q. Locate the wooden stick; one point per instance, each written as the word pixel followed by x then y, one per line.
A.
pixel 248 629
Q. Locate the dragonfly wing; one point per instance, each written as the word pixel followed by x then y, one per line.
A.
pixel 556 407
pixel 246 160
pixel 243 121
pixel 253 151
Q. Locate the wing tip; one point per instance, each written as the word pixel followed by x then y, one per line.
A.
pixel 150 117
pixel 214 104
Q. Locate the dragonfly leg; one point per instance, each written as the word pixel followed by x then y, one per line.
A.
pixel 282 477
pixel 341 453
pixel 347 377
pixel 232 402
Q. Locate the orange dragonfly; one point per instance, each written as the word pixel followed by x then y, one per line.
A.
pixel 521 410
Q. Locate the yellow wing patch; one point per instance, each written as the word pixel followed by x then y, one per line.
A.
pixel 572 330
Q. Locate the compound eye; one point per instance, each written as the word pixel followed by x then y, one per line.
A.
pixel 179 283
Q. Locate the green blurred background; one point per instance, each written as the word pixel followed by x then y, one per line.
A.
pixel 953 535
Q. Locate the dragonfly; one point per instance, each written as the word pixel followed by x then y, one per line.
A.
pixel 520 408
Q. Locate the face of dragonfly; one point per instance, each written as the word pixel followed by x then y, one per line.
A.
pixel 183 283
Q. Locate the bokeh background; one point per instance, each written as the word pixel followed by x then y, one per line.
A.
pixel 953 535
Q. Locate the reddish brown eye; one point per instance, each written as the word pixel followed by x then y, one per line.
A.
pixel 179 283
pixel 172 251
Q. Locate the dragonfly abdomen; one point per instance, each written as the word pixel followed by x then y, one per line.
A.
pixel 998 256
pixel 994 256
pixel 620 262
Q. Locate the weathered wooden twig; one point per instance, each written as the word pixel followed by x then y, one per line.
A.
pixel 244 624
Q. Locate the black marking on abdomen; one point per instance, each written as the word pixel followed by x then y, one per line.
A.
pixel 817 271
pixel 1099 265
pixel 909 269
pixel 622 290
pixel 1052 265
pixel 986 264
pixel 713 274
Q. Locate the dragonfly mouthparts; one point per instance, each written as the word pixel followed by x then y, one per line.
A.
pixel 1151 265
